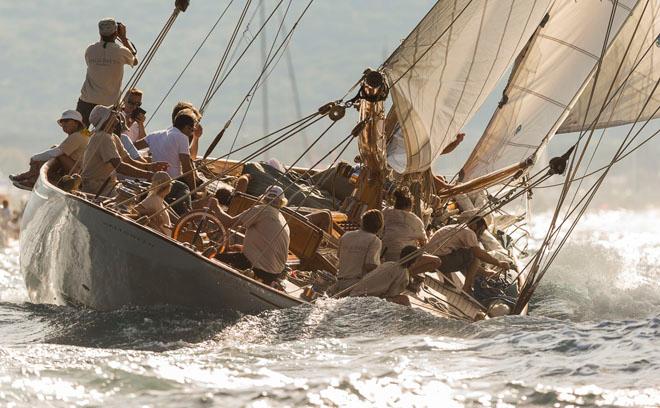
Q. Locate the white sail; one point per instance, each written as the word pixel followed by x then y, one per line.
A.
pixel 558 64
pixel 448 65
pixel 641 36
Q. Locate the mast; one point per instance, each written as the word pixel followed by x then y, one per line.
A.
pixel 371 145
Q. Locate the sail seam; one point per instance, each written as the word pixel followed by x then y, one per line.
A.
pixel 569 45
pixel 538 95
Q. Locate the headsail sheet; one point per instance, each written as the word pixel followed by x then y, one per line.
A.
pixel 557 65
pixel 634 82
pixel 448 65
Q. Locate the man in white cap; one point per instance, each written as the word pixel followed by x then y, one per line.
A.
pixel 105 67
pixel 67 153
pixel 266 243
pixel 105 156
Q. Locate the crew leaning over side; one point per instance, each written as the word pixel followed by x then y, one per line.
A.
pixel 105 156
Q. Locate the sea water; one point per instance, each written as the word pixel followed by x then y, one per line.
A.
pixel 591 339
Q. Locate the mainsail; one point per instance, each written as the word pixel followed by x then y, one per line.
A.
pixel 633 55
pixel 558 64
pixel 448 65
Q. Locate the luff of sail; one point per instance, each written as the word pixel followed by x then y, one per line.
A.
pixel 558 63
pixel 632 71
pixel 444 70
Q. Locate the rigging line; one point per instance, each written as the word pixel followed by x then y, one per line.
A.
pixel 432 44
pixel 648 139
pixel 217 87
pixel 572 168
pixel 592 193
pixel 154 45
pixel 297 125
pixel 277 142
pixel 152 52
pixel 167 94
pixel 346 140
pixel 252 41
pixel 620 65
pixel 255 86
pixel 223 59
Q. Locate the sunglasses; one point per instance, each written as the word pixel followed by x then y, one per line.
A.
pixel 134 103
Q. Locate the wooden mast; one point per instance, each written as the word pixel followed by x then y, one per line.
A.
pixel 371 144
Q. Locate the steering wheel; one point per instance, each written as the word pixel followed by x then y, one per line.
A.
pixel 201 230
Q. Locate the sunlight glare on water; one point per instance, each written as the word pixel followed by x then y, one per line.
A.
pixel 590 340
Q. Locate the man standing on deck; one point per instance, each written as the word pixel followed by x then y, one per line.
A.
pixel 459 250
pixel 105 68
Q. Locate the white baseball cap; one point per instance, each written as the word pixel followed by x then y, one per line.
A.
pixel 70 114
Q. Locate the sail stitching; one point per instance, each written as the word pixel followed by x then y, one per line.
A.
pixel 544 97
pixel 569 45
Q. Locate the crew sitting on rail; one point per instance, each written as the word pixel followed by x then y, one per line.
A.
pixel 401 227
pixel 359 252
pixel 459 250
pixel 105 68
pixel 67 153
pixel 105 156
pixel 266 243
pixel 173 145
pixel 390 279
pixel 153 206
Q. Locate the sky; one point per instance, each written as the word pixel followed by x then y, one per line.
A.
pixel 43 42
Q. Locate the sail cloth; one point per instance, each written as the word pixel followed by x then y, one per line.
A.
pixel 557 65
pixel 444 70
pixel 643 28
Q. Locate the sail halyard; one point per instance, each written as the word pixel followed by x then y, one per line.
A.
pixel 448 65
pixel 556 68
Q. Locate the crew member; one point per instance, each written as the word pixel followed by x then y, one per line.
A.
pixel 105 68
pixel 266 243
pixel 401 227
pixel 105 156
pixel 359 251
pixel 459 250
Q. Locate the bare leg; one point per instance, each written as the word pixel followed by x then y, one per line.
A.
pixel 470 274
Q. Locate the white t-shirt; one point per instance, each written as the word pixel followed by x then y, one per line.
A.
pixel 357 249
pixel 166 146
pixel 266 243
pixel 105 71
pixel 400 228
pixel 389 279
pixel 451 237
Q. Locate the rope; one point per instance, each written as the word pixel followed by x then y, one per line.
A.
pixel 167 94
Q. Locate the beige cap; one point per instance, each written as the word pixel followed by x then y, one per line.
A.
pixel 99 116
pixel 107 26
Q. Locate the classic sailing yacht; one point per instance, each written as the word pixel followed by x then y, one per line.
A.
pixel 576 66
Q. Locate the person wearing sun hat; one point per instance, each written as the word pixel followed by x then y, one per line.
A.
pixel 105 157
pixel 267 236
pixel 67 153
pixel 105 67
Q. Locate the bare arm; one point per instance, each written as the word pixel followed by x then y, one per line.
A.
pixel 186 167
pixel 194 145
pixel 66 162
pixel 130 171
pixel 488 258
